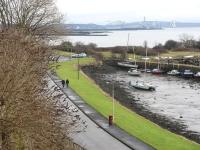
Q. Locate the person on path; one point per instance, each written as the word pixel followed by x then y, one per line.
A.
pixel 63 83
pixel 67 82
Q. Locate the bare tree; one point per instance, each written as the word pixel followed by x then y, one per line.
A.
pixel 92 46
pixel 187 40
pixel 80 47
pixel 31 115
pixel 32 15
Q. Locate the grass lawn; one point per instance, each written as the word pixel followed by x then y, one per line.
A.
pixel 180 53
pixel 131 57
pixel 107 54
pixel 63 53
pixel 131 122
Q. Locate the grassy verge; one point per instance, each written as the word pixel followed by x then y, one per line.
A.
pixel 63 53
pixel 131 122
pixel 174 54
pixel 130 56
pixel 180 54
pixel 107 54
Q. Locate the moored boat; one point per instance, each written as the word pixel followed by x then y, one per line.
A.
pixel 197 75
pixel 146 70
pixel 187 73
pixel 142 85
pixel 174 73
pixel 134 72
pixel 127 64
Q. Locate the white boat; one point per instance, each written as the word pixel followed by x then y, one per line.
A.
pixel 157 71
pixel 81 55
pixel 134 72
pixel 197 75
pixel 173 73
pixel 142 85
pixel 187 73
pixel 148 70
pixel 127 64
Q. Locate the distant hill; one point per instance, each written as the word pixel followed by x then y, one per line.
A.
pixel 84 26
pixel 120 25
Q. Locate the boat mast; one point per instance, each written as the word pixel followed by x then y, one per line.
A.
pixel 134 55
pixel 128 40
pixel 127 44
pixel 158 61
pixel 145 45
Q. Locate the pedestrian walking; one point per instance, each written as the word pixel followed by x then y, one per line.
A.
pixel 63 83
pixel 67 82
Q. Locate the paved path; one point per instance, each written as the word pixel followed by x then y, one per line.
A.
pixel 94 137
pixel 100 135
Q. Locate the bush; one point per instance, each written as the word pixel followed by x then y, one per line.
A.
pixel 171 44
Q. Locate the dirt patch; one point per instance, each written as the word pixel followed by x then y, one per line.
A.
pixel 97 73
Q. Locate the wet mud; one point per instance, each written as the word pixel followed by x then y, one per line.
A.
pixel 107 74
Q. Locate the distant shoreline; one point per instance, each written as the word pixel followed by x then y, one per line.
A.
pixel 87 35
pixel 98 32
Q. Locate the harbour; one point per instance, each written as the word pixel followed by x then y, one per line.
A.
pixel 173 105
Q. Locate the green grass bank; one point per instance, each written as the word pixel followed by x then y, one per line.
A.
pixel 131 122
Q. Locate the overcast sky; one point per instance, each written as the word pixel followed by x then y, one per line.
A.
pixel 105 11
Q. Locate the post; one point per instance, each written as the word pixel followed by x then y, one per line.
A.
pixel 78 67
pixel 158 60
pixel 71 53
pixel 113 101
pixel 145 45
pixel 110 120
pixel 125 54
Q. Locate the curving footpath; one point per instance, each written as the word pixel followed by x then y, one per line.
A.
pixel 99 135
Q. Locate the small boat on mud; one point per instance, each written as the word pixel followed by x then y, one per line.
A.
pixel 173 73
pixel 157 71
pixel 127 64
pixel 142 86
pixel 187 74
pixel 146 70
pixel 134 72
pixel 197 75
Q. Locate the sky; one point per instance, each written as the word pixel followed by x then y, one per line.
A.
pixel 107 11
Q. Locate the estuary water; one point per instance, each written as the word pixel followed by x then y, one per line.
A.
pixel 137 37
pixel 176 98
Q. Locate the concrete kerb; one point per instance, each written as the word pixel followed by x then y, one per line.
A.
pixel 96 122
